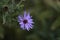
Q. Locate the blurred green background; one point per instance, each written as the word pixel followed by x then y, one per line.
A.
pixel 45 14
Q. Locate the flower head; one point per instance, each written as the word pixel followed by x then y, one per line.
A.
pixel 25 21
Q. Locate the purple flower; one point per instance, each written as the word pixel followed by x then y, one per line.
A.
pixel 25 21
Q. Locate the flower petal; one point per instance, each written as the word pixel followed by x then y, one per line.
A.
pixel 27 27
pixel 30 25
pixel 21 23
pixel 20 18
pixel 24 14
pixel 30 21
pixel 22 26
pixel 28 16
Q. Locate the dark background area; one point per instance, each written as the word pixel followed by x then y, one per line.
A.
pixel 45 14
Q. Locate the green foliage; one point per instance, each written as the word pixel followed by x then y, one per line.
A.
pixel 45 14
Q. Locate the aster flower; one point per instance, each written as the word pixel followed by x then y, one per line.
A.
pixel 25 21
